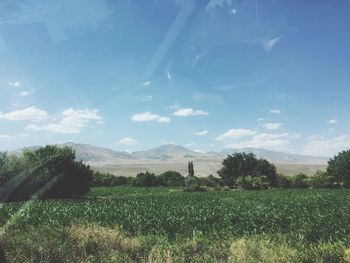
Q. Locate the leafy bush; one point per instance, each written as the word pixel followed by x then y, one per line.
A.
pixel 284 181
pixel 300 181
pixel 107 179
pixel 146 179
pixel 321 180
pixel 253 183
pixel 192 184
pixel 209 181
pixel 171 178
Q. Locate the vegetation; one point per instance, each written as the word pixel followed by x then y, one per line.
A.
pixel 165 218
pixel 171 178
pixel 46 172
pixel 192 182
pixel 339 168
pixel 239 170
pixel 107 179
pixel 241 165
pixel 139 225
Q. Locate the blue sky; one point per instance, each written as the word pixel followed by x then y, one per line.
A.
pixel 208 75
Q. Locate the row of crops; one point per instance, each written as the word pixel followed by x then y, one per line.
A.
pixel 306 215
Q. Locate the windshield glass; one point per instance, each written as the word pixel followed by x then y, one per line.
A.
pixel 208 75
pixel 174 131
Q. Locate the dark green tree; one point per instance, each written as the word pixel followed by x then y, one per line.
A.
pixel 171 178
pixel 190 168
pixel 339 168
pixel 242 165
pixel 146 179
pixel 48 171
pixel 191 182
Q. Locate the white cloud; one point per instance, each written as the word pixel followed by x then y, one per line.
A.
pixel 24 93
pixel 4 136
pixel 189 112
pixel 332 121
pixel 327 147
pixel 14 83
pixel 31 114
pixel 127 141
pixel 72 121
pixel 275 111
pixel 272 126
pixel 148 116
pixel 235 134
pixel 269 44
pixel 204 132
pixel 261 119
pixel 164 120
pixel 267 140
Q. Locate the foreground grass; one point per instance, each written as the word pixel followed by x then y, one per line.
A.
pixel 139 225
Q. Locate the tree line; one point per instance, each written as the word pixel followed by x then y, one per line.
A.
pixel 52 171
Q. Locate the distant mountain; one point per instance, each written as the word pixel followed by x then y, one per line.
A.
pixel 175 157
pixel 172 152
pixel 166 152
pixel 95 154
pixel 279 157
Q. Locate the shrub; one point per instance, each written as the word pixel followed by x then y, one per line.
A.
pixel 284 181
pixel 209 181
pixel 253 183
pixel 107 179
pixel 192 184
pixel 321 180
pixel 171 178
pixel 146 179
pixel 300 181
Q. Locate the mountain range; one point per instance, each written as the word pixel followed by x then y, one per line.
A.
pixel 175 157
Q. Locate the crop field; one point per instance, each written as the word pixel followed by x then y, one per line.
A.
pixel 302 225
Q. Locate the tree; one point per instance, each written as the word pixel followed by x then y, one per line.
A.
pixel 10 165
pixel 171 178
pixel 146 179
pixel 48 171
pixel 191 182
pixel 190 168
pixel 243 165
pixel 339 168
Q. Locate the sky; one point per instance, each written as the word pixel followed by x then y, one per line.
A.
pixel 205 74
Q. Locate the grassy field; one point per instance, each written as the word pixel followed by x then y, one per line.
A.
pixel 134 224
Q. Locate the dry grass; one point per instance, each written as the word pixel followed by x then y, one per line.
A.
pixel 92 240
pixel 253 250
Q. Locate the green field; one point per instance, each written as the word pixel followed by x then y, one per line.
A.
pixel 127 224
